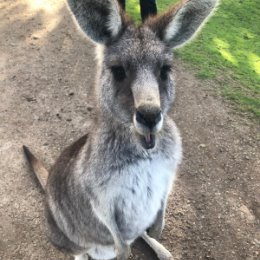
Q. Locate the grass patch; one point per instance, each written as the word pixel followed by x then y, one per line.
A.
pixel 228 49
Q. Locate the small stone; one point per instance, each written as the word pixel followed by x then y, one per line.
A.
pixel 202 146
pixel 30 99
pixel 246 212
pixel 58 115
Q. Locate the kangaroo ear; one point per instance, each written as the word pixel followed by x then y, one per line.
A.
pixel 181 22
pixel 100 20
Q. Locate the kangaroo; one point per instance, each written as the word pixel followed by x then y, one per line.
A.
pixel 111 186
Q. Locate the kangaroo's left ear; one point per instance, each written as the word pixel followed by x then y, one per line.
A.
pixel 181 22
pixel 100 20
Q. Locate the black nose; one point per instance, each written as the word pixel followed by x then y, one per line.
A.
pixel 148 116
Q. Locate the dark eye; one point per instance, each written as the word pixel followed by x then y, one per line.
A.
pixel 118 73
pixel 165 69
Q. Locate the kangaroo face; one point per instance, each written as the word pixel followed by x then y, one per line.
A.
pixel 137 82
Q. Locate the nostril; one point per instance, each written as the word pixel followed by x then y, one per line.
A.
pixel 158 117
pixel 148 117
pixel 140 118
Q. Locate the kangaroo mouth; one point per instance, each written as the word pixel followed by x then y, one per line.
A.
pixel 148 141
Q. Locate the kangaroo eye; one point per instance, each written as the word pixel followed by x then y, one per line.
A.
pixel 165 69
pixel 118 73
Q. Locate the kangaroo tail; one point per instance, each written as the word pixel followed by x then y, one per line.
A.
pixel 37 167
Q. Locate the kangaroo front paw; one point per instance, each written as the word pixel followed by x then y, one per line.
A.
pixel 124 253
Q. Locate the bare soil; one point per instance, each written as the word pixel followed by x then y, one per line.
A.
pixel 47 74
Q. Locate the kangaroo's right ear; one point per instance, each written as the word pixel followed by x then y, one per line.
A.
pixel 100 20
pixel 181 22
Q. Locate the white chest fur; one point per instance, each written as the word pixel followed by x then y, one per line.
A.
pixel 138 192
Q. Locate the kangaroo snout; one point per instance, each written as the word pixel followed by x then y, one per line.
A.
pixel 149 117
pixel 148 121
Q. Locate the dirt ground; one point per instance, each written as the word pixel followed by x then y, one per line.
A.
pixel 47 71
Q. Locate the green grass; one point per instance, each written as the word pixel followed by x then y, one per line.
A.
pixel 228 50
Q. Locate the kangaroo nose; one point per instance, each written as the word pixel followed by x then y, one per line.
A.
pixel 148 116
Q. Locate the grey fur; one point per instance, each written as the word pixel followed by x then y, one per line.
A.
pixel 107 189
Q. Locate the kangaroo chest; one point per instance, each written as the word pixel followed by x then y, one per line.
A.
pixel 138 193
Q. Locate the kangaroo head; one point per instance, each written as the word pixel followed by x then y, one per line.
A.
pixel 135 81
